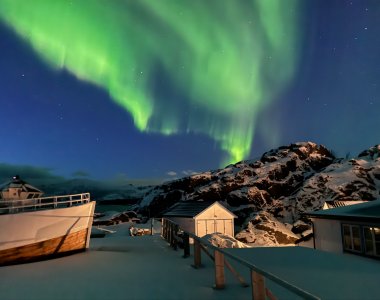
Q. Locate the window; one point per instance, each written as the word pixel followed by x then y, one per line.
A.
pixel 352 238
pixel 361 239
pixel 372 240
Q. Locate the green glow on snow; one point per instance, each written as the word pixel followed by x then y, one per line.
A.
pixel 229 60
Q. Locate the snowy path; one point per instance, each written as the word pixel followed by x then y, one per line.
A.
pixel 119 267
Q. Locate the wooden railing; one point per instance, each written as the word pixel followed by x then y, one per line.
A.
pixel 16 206
pixel 170 232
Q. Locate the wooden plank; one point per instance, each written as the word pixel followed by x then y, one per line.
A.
pixel 67 243
pixel 219 270
pixel 270 295
pixel 236 274
pixel 165 229
pixel 186 245
pixel 197 254
pixel 258 286
pixel 228 265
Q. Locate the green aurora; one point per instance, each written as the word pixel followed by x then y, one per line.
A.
pixel 228 59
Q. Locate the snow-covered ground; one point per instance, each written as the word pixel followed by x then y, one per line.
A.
pixel 117 267
pixel 124 267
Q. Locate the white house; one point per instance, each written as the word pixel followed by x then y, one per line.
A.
pixel 201 217
pixel 18 189
pixel 354 229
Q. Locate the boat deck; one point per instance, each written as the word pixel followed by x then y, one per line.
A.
pixel 42 203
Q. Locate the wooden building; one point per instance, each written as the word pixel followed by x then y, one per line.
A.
pixel 354 229
pixel 201 217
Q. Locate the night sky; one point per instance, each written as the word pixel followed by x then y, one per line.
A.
pixel 161 89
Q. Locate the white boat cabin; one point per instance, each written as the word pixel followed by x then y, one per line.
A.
pixel 17 189
pixel 201 218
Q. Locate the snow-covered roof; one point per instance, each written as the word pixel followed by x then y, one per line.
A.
pixel 338 203
pixel 324 274
pixel 369 211
pixel 17 182
pixel 189 208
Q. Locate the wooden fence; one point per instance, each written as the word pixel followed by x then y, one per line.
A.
pixel 170 232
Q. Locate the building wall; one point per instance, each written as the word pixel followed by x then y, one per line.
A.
pixel 327 235
pixel 186 224
pixel 214 219
pixel 207 226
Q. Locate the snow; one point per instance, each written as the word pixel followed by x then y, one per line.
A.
pixel 285 182
pixel 265 230
pixel 326 275
pixel 124 267
pixel 117 267
pixel 223 241
pixel 148 198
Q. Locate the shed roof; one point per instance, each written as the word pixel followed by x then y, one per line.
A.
pixel 369 211
pixel 190 208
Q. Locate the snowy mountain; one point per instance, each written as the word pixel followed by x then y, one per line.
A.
pixel 101 191
pixel 268 195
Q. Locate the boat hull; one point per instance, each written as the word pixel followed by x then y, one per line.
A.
pixel 44 234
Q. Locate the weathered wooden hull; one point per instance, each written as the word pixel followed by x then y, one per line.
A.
pixel 45 234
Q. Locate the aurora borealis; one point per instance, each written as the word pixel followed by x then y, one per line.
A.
pixel 236 77
pixel 229 60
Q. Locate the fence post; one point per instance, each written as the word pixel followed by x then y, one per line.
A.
pixel 219 270
pixel 186 245
pixel 258 286
pixel 170 233
pixel 166 229
pixel 163 229
pixel 197 254
pixel 175 237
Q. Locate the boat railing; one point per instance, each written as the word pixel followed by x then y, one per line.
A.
pixel 22 205
pixel 260 291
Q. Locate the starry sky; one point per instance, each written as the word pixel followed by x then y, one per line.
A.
pixel 153 90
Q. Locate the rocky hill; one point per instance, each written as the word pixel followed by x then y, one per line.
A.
pixel 268 195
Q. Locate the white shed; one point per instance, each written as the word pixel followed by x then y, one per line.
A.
pixel 201 217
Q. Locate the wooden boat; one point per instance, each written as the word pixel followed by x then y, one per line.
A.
pixel 35 228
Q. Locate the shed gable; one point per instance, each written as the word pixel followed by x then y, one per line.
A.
pixel 215 211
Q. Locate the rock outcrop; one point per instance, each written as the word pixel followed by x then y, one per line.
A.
pixel 276 189
pixel 263 229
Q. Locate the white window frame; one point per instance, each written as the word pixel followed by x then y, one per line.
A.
pixel 352 249
pixel 371 228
